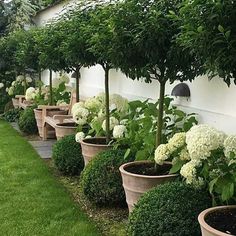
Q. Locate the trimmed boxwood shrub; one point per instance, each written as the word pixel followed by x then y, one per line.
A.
pixel 27 122
pixel 101 180
pixel 67 156
pixel 170 209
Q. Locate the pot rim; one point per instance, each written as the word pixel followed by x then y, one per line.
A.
pixel 203 214
pixel 93 144
pixel 60 125
pixel 123 171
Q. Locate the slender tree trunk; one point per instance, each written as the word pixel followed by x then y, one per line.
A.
pixel 50 85
pixel 40 80
pixel 108 136
pixel 160 114
pixel 77 83
pixel 24 82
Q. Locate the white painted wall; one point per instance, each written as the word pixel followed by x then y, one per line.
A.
pixel 213 101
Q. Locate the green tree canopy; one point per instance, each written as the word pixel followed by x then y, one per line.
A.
pixel 144 39
pixel 209 30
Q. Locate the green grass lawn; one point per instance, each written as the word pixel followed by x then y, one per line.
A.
pixel 32 201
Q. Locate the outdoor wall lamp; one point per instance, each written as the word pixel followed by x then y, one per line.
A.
pixel 181 90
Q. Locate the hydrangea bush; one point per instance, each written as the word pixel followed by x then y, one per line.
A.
pixel 19 85
pixel 137 130
pixel 90 116
pixel 204 157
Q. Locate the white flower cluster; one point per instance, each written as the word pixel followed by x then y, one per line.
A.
pixel 93 104
pixel 61 103
pixel 80 113
pixel 113 123
pixel 79 137
pixel 162 153
pixel 1 85
pixel 30 94
pixel 64 78
pixel 119 103
pixel 119 131
pixel 201 140
pixel 230 146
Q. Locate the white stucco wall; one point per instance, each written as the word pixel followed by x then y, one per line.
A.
pixel 212 100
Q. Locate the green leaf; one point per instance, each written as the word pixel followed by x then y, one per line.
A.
pixel 176 167
pixel 141 155
pixel 212 184
pixel 221 28
pixel 127 153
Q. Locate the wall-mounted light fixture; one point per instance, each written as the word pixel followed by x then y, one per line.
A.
pixel 181 90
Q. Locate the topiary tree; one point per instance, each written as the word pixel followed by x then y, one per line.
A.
pixel 169 209
pixel 144 39
pixel 101 180
pixel 209 30
pixel 67 156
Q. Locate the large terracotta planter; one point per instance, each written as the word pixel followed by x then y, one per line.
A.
pixel 15 102
pixel 92 146
pixel 206 229
pixel 65 129
pixel 39 120
pixel 135 185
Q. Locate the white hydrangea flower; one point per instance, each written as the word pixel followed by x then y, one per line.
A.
pixel 61 103
pixel 13 83
pixel 1 85
pixel 28 80
pixel 64 78
pixel 119 131
pixel 88 136
pixel 162 153
pixel 76 106
pixel 7 89
pixel 20 78
pixel 101 97
pixel 10 91
pixel 124 121
pixel 202 139
pixel 79 137
pixel 184 155
pixel 118 102
pixel 80 116
pixel 113 123
pixel 30 94
pixel 230 145
pixel 93 104
pixel 189 171
pixel 177 141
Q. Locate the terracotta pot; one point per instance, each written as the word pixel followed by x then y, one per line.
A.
pixel 206 229
pixel 65 129
pixel 39 120
pixel 135 185
pixel 15 102
pixel 92 146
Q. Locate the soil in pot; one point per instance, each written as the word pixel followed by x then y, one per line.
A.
pixel 223 220
pixel 68 124
pixel 149 169
pixel 99 141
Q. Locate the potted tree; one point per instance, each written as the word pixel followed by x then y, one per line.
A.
pixel 145 43
pixel 209 31
pixel 96 38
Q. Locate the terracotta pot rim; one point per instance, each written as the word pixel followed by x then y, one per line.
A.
pixel 60 125
pixel 83 142
pixel 203 224
pixel 123 171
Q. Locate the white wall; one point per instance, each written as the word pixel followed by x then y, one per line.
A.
pixel 212 100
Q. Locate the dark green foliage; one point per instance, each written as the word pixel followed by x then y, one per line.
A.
pixel 67 156
pixel 101 179
pixel 12 115
pixel 169 210
pixel 27 122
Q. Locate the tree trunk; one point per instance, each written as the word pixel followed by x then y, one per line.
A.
pixel 108 137
pixel 25 87
pixel 40 80
pixel 50 85
pixel 160 114
pixel 77 83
